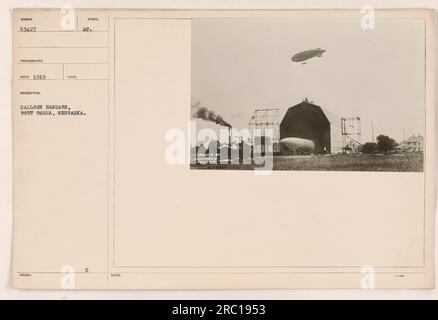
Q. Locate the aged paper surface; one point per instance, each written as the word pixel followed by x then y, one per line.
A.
pixel 108 195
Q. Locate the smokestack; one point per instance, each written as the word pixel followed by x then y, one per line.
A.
pixel 229 136
pixel 229 143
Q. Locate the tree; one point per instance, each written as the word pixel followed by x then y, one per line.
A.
pixel 369 147
pixel 385 144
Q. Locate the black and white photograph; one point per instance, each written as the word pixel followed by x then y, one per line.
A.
pixel 312 94
pixel 219 153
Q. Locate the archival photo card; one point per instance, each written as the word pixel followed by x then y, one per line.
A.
pixel 323 122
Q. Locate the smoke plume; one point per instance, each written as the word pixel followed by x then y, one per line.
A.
pixel 201 112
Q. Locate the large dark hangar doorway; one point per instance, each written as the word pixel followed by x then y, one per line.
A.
pixel 308 121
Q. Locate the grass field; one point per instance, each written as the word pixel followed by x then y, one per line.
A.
pixel 408 162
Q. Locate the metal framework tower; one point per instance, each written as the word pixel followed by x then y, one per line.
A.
pixel 267 119
pixel 351 133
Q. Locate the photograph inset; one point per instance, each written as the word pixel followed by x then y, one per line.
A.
pixel 308 94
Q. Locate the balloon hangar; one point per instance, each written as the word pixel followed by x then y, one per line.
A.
pixel 307 128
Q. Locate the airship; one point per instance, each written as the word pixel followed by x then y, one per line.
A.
pixel 292 145
pixel 308 54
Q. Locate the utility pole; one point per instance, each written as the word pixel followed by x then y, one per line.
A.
pixel 372 131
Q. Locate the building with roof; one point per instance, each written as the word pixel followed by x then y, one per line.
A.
pixel 412 144
pixel 309 121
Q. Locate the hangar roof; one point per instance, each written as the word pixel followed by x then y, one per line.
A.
pixel 333 119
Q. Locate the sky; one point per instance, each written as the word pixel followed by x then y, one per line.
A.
pixel 241 64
